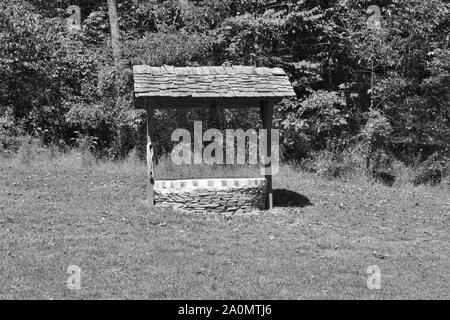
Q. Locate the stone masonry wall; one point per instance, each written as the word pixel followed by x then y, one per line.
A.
pixel 232 196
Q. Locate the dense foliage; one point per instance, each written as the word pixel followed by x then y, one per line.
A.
pixel 385 92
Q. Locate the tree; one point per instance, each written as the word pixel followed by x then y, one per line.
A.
pixel 115 32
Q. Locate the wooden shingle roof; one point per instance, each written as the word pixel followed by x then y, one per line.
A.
pixel 211 82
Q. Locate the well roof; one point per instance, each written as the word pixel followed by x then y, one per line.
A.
pixel 211 82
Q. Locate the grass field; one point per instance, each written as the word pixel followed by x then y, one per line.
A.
pixel 317 243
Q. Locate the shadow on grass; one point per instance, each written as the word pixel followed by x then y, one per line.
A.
pixel 286 198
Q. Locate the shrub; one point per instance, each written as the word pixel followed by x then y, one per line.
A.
pixel 433 170
pixel 331 165
pixel 87 145
pixel 428 176
pixel 375 135
pixel 384 177
pixel 403 174
pixel 133 157
pixel 30 149
pixel 9 134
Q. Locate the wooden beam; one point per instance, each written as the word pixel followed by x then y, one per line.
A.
pixel 212 114
pixel 150 157
pixel 206 100
pixel 266 112
pixel 189 103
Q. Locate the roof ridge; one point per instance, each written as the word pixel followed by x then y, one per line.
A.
pixel 209 69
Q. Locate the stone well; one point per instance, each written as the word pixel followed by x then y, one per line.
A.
pixel 233 196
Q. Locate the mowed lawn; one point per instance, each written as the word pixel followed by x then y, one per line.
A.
pixel 317 243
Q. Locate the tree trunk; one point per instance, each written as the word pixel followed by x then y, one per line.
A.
pixel 115 33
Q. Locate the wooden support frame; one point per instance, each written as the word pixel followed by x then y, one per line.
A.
pixel 150 157
pixel 266 112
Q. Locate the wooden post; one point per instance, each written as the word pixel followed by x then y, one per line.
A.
pixel 266 111
pixel 150 158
